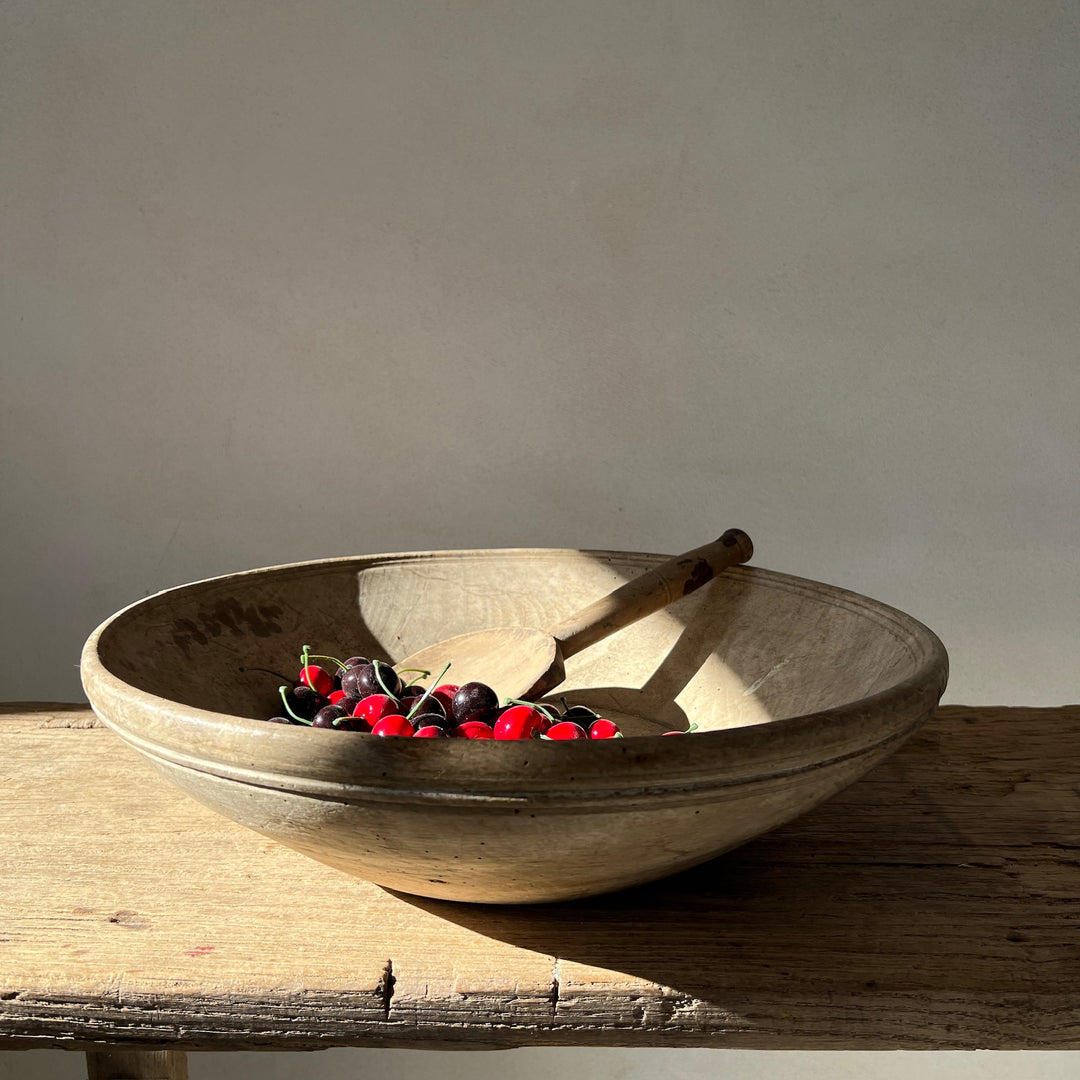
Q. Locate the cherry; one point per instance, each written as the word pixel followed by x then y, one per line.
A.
pixel 692 727
pixel 579 714
pixel 565 729
pixel 301 702
pixel 370 695
pixel 420 701
pixel 444 695
pixel 319 679
pixel 521 722
pixel 411 694
pixel 473 729
pixel 431 731
pixel 348 681
pixel 604 729
pixel 416 700
pixel 374 707
pixel 329 716
pixel 350 665
pixel 428 704
pixel 474 701
pixel 374 678
pixel 393 724
pixel 431 719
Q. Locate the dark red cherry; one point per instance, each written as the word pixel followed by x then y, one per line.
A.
pixel 474 701
pixel 579 714
pixel 411 695
pixel 431 719
pixel 374 678
pixel 329 716
pixel 303 701
pixel 431 731
pixel 422 705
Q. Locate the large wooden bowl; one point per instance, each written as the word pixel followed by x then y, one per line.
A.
pixel 796 688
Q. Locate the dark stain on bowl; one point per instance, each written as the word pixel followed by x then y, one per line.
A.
pixel 228 615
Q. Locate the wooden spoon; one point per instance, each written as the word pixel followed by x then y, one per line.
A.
pixel 523 662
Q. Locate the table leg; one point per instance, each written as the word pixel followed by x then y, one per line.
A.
pixel 136 1065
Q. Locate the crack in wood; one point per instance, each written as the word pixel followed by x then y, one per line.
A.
pixel 555 981
pixel 386 988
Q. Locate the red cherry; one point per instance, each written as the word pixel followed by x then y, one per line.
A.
pixel 374 707
pixel 336 697
pixel 444 695
pixel 393 724
pixel 604 729
pixel 521 722
pixel 431 731
pixel 319 679
pixel 567 729
pixel 474 729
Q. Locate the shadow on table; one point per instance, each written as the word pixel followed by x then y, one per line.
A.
pixel 885 887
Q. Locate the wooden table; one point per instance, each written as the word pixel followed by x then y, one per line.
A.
pixel 933 905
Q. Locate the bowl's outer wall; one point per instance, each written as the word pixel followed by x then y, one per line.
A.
pixel 529 853
pixel 798 688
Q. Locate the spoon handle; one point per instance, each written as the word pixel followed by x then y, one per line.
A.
pixel 650 592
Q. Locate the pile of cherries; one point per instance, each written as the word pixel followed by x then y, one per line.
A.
pixel 361 694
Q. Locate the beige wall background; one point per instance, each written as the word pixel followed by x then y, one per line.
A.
pixel 283 281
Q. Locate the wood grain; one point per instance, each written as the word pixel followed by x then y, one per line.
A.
pixel 932 905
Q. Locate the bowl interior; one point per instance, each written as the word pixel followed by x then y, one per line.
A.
pixel 751 647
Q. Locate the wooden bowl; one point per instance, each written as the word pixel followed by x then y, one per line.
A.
pixel 796 687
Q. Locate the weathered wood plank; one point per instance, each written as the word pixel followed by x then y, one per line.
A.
pixel 933 905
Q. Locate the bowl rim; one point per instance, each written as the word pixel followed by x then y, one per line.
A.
pixel 916 695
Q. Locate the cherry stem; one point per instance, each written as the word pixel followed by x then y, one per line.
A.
pixel 540 706
pixel 320 656
pixel 427 693
pixel 284 701
pixel 422 672
pixel 266 669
